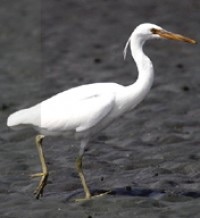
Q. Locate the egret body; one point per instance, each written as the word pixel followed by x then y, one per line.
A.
pixel 83 111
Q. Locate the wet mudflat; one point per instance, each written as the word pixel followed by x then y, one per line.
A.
pixel 150 158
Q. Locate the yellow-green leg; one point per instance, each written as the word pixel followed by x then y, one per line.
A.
pixel 88 195
pixel 82 177
pixel 44 174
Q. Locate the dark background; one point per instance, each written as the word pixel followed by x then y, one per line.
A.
pixel 150 158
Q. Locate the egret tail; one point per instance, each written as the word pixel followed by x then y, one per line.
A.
pixel 30 116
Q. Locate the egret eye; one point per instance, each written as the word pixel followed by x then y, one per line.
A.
pixel 154 31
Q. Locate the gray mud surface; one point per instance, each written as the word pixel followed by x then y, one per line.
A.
pixel 150 158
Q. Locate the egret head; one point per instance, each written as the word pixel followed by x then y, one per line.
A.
pixel 144 31
pixel 150 31
pixel 147 31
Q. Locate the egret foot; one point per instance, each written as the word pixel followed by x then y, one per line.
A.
pixel 92 197
pixel 44 174
pixel 40 188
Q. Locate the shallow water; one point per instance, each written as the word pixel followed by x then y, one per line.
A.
pixel 150 158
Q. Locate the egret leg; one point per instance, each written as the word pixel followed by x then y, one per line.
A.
pixel 88 195
pixel 44 174
pixel 79 168
pixel 82 177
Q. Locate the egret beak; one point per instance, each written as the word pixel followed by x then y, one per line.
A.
pixel 173 36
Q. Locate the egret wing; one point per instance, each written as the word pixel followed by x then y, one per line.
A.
pixel 78 115
pixel 94 110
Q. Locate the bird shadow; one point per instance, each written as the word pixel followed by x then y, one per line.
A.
pixel 132 192
pixel 151 193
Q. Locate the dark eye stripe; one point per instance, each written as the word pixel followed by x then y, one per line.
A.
pixel 154 31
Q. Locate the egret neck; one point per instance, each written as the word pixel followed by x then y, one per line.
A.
pixel 137 91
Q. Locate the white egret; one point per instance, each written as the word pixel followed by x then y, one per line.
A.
pixel 83 111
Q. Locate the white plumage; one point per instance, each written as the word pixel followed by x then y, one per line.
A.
pixel 83 111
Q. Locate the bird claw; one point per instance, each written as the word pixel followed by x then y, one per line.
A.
pixel 39 191
pixel 40 188
pixel 92 197
pixel 36 175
